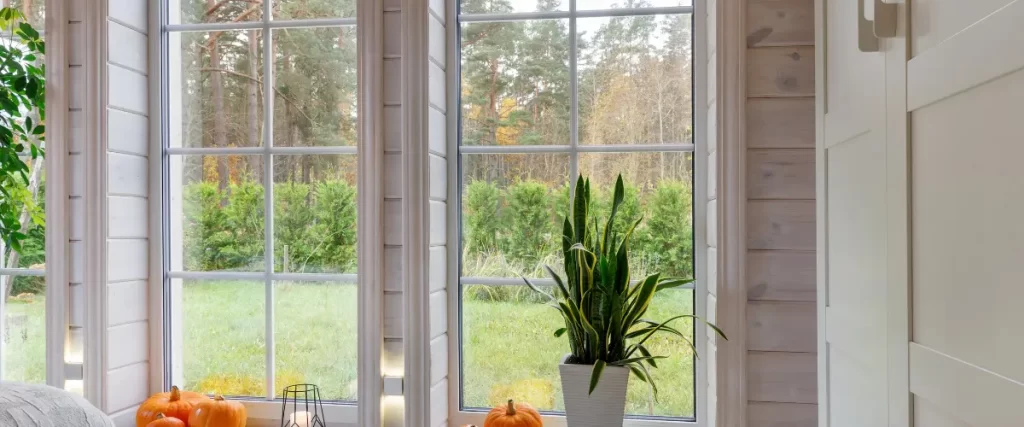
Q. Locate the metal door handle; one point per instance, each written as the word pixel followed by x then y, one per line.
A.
pixel 866 39
pixel 885 19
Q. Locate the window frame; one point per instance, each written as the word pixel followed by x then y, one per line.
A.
pixel 63 360
pixel 268 407
pixel 698 148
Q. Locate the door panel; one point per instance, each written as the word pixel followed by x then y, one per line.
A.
pixel 968 198
pixel 859 161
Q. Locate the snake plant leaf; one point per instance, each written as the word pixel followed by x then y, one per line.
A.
pixel 595 375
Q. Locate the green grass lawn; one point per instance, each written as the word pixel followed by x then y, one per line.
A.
pixel 509 349
pixel 24 335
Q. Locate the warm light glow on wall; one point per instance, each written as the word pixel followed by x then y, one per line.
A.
pixel 75 386
pixel 392 410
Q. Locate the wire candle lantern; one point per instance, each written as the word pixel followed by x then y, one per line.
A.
pixel 306 408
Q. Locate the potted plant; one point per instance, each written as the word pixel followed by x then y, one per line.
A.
pixel 604 315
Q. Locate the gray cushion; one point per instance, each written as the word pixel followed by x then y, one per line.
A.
pixel 30 405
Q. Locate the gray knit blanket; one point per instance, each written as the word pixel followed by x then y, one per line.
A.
pixel 29 405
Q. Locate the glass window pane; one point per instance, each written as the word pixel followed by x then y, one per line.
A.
pixel 658 189
pixel 315 213
pixel 216 213
pixel 215 11
pixel 303 9
pixel 493 371
pixel 628 4
pixel 24 330
pixel 315 87
pixel 515 83
pixel 468 7
pixel 216 96
pixel 315 337
pixel 512 211
pixel 223 336
pixel 635 80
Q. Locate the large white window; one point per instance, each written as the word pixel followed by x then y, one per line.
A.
pixel 552 89
pixel 259 172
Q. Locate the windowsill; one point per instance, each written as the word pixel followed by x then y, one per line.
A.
pixel 267 413
pixel 477 418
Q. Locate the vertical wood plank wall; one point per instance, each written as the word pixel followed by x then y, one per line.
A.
pixel 76 176
pixel 780 271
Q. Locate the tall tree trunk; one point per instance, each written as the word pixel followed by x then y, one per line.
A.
pixel 492 107
pixel 254 116
pixel 220 131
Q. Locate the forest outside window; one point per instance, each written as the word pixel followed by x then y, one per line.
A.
pixel 259 143
pixel 551 89
pixel 23 353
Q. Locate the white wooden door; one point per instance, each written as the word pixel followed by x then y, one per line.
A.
pixel 862 215
pixel 965 93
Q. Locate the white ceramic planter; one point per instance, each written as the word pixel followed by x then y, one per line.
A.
pixel 606 407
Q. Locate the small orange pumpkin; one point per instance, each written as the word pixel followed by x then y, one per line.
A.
pixel 513 415
pixel 173 404
pixel 217 413
pixel 162 421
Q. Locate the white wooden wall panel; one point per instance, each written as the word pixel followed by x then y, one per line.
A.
pixel 126 259
pixel 438 274
pixel 76 175
pixel 132 13
pixel 128 174
pixel 393 222
pixel 438 313
pixel 128 90
pixel 124 389
pixel 439 352
pixel 127 217
pixel 393 316
pixel 76 214
pixel 438 223
pixel 127 344
pixel 392 131
pixel 129 132
pixel 76 267
pixel 393 268
pixel 76 50
pixel 393 37
pixel 76 86
pixel 393 84
pixel 436 91
pixel 781 276
pixel 127 47
pixel 393 180
pixel 131 299
pixel 438 170
pixel 76 131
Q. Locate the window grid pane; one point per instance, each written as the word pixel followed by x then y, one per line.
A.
pixel 334 189
pixel 482 386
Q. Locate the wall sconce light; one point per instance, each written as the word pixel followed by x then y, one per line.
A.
pixel 394 386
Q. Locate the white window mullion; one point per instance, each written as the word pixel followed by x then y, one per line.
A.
pixel 574 104
pixel 268 193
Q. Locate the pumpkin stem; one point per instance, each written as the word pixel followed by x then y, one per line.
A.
pixel 511 408
pixel 218 397
pixel 160 415
pixel 175 394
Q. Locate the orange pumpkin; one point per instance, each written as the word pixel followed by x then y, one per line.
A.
pixel 173 404
pixel 513 415
pixel 217 413
pixel 162 421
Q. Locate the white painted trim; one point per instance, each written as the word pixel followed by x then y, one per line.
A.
pixel 821 209
pixel 96 211
pixel 57 191
pixel 213 151
pixel 453 88
pixel 617 148
pixel 700 197
pixel 477 418
pixel 732 250
pixel 415 209
pixel 898 219
pixel 24 271
pixel 508 281
pixel 370 246
pixel 242 275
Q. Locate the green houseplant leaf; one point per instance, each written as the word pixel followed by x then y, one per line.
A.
pixel 603 308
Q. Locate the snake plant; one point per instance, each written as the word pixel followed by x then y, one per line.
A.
pixel 602 307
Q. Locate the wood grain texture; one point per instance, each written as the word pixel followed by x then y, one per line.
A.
pixel 780 23
pixel 780 174
pixel 782 326
pixel 781 276
pixel 782 377
pixel 774 414
pixel 780 71
pixel 780 123
pixel 777 224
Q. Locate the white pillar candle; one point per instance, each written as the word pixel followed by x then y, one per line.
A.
pixel 302 419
